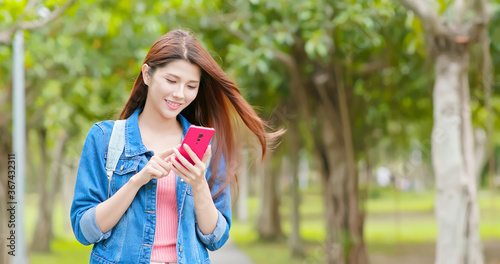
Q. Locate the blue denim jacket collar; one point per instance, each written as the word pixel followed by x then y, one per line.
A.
pixel 133 140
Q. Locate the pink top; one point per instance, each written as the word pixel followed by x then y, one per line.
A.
pixel 164 246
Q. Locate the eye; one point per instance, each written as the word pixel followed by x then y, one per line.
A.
pixel 170 81
pixel 192 87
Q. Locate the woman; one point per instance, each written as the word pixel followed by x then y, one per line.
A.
pixel 161 209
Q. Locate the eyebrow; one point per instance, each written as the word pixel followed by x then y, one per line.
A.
pixel 173 75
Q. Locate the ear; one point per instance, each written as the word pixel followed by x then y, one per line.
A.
pixel 145 73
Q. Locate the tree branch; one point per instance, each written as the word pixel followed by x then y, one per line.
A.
pixel 428 16
pixel 53 15
pixel 6 35
pixel 31 4
pixel 481 20
pixel 320 81
pixel 373 66
pixel 460 7
pixel 482 7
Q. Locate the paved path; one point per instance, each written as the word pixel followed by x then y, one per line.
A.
pixel 229 254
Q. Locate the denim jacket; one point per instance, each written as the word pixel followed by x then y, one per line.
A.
pixel 131 239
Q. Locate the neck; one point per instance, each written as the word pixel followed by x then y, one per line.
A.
pixel 154 121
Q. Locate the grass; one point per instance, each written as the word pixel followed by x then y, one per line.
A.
pixel 392 219
pixel 64 250
pixel 391 201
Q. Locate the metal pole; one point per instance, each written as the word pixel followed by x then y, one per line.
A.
pixel 19 144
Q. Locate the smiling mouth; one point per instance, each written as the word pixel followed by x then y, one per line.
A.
pixel 172 105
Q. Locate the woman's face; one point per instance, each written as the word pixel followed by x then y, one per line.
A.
pixel 173 87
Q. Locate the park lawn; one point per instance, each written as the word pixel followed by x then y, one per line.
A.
pixel 65 248
pixel 393 219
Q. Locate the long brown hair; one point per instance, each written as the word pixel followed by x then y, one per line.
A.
pixel 219 103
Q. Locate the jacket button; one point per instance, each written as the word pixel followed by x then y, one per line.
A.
pixel 180 248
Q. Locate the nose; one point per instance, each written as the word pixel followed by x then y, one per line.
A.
pixel 178 92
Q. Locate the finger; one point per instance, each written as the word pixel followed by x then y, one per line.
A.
pixel 161 162
pixel 191 154
pixel 159 168
pixel 169 165
pixel 181 175
pixel 177 165
pixel 165 154
pixel 170 157
pixel 178 147
pixel 207 154
pixel 153 172
pixel 183 160
pixel 160 176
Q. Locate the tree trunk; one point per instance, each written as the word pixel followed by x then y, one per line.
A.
pixel 69 180
pixel 43 228
pixel 454 165
pixel 242 204
pixel 357 248
pixel 453 159
pixel 334 151
pixel 268 223
pixel 345 243
pixel 295 240
pixel 48 187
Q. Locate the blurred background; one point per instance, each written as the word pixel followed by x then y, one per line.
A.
pixel 366 90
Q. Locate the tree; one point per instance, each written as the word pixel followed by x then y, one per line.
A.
pixel 448 41
pixel 22 17
pixel 269 222
pixel 294 145
pixel 299 49
pixel 30 10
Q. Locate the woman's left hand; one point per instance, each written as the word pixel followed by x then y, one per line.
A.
pixel 193 175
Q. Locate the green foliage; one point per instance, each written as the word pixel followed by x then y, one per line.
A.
pixel 80 69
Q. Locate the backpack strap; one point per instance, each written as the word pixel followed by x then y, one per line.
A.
pixel 115 149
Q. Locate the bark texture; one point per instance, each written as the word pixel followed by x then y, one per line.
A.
pixel 455 166
pixel 48 187
pixel 268 222
pixel 295 241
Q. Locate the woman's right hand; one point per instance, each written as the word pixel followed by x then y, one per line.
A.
pixel 157 168
pixel 109 212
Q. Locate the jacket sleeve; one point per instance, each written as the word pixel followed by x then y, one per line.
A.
pixel 220 235
pixel 91 188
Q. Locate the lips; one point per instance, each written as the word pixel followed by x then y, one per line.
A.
pixel 173 105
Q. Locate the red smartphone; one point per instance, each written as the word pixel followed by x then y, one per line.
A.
pixel 197 138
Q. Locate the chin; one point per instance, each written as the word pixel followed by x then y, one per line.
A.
pixel 171 114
